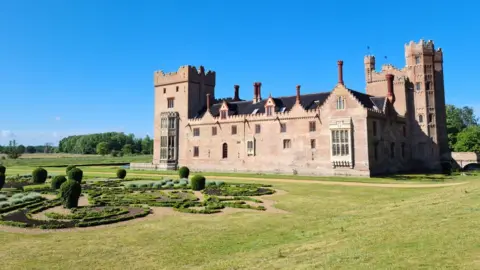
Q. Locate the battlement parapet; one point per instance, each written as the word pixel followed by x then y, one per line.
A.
pixel 421 47
pixel 185 73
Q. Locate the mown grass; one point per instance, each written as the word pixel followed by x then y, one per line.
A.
pixel 327 227
pixel 67 159
pixel 109 171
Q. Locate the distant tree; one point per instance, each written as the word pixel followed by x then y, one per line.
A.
pixel 468 140
pixel 102 148
pixel 458 119
pixel 12 150
pixel 31 149
pixel 127 149
pixel 147 145
pixel 21 148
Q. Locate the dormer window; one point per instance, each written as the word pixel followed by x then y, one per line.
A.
pixel 223 114
pixel 340 103
pixel 269 110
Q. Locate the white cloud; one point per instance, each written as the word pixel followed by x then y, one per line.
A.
pixel 7 134
pixel 55 134
pixel 57 118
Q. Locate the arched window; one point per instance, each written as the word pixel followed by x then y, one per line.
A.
pixel 224 150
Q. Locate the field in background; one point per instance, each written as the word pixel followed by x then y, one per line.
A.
pixel 326 227
pixel 41 159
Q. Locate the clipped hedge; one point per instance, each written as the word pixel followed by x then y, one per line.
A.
pixel 57 181
pixel 3 169
pixel 69 167
pixel 198 182
pixel 121 173
pixel 70 193
pixel 183 172
pixel 39 175
pixel 75 174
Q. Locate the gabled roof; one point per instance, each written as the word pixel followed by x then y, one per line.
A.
pixel 368 101
pixel 283 104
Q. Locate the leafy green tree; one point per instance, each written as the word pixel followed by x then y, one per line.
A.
pixel 458 119
pixel 102 148
pixel 21 148
pixel 468 140
pixel 147 145
pixel 31 149
pixel 127 149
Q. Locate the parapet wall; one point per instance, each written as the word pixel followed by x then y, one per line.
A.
pixel 185 74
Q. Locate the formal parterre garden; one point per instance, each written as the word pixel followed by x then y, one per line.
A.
pixel 48 201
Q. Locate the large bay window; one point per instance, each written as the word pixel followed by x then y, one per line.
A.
pixel 341 140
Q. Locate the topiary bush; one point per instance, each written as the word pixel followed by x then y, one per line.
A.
pixel 69 167
pixel 75 174
pixel 121 173
pixel 70 193
pixel 198 182
pixel 3 169
pixel 183 172
pixel 2 180
pixel 39 175
pixel 57 181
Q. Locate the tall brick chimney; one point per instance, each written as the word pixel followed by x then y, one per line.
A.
pixel 390 94
pixel 236 96
pixel 255 92
pixel 340 71
pixel 259 87
pixel 298 94
pixel 208 101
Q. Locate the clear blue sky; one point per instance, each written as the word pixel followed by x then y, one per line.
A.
pixel 82 66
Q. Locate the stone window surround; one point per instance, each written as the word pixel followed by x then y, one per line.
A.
pixel 168 136
pixel 340 103
pixel 170 102
pixel 342 124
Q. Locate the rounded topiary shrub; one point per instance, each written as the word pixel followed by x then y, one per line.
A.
pixel 70 193
pixel 2 180
pixel 69 167
pixel 197 182
pixel 39 175
pixel 3 169
pixel 183 172
pixel 75 174
pixel 121 173
pixel 57 181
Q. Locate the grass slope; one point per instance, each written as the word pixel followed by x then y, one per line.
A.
pixel 70 159
pixel 327 227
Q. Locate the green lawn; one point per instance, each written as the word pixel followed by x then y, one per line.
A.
pixel 327 227
pixel 67 159
pixel 109 171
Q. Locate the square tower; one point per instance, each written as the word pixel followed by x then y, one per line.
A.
pixel 178 97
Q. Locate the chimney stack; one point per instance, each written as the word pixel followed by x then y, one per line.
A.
pixel 259 85
pixel 255 92
pixel 236 96
pixel 390 94
pixel 208 101
pixel 340 72
pixel 298 94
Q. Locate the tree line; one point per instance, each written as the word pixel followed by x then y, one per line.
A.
pixel 30 149
pixel 106 143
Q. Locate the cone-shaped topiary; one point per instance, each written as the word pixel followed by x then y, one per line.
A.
pixel 183 172
pixel 2 180
pixel 75 174
pixel 197 182
pixel 3 169
pixel 69 167
pixel 70 193
pixel 121 173
pixel 57 181
pixel 39 175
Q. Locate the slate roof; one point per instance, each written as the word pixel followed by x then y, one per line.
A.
pixel 285 104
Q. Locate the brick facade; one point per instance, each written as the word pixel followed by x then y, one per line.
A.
pixel 341 132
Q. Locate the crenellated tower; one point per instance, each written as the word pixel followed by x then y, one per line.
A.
pixel 419 88
pixel 178 97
